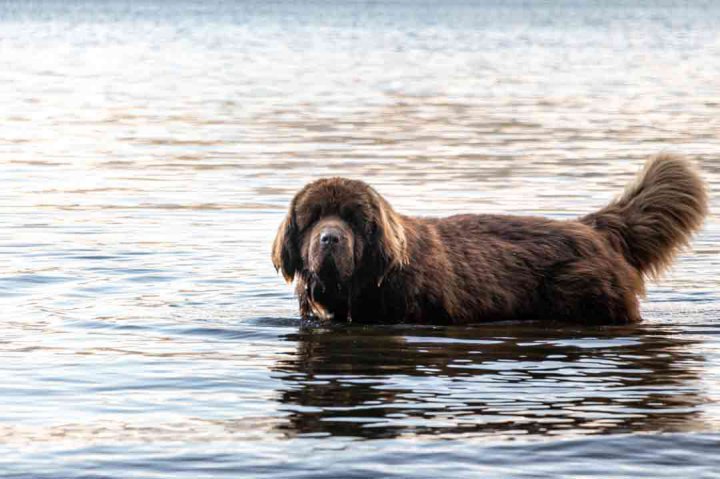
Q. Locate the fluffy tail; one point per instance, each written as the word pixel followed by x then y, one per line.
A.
pixel 656 215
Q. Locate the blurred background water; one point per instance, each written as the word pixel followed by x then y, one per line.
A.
pixel 148 150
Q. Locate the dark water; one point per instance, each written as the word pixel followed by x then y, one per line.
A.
pixel 147 154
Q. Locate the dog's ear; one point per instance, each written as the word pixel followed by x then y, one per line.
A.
pixel 285 250
pixel 389 237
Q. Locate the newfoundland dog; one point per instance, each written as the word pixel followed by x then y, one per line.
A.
pixel 354 258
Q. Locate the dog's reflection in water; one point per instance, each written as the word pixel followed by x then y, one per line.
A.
pixel 515 381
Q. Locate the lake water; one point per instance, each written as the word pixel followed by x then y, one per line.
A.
pixel 149 149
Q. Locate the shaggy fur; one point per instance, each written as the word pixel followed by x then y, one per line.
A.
pixel 354 258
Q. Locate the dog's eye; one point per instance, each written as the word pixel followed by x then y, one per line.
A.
pixel 309 218
pixel 349 215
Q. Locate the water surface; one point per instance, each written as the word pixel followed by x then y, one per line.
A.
pixel 148 151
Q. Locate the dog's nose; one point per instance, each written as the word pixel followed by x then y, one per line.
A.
pixel 329 237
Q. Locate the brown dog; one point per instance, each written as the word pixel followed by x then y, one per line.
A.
pixel 355 259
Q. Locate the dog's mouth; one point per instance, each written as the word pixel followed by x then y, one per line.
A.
pixel 329 295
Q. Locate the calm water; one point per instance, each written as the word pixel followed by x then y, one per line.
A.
pixel 148 150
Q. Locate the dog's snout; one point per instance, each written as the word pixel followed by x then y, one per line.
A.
pixel 329 237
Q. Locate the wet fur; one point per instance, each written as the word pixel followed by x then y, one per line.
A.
pixel 472 268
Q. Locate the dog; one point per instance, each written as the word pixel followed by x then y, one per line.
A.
pixel 355 259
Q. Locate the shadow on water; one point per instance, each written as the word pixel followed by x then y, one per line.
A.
pixel 518 380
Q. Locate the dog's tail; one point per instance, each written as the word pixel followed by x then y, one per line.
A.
pixel 656 215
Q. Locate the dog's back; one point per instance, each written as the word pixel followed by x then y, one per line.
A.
pixel 591 270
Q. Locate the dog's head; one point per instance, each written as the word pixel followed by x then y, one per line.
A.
pixel 339 234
